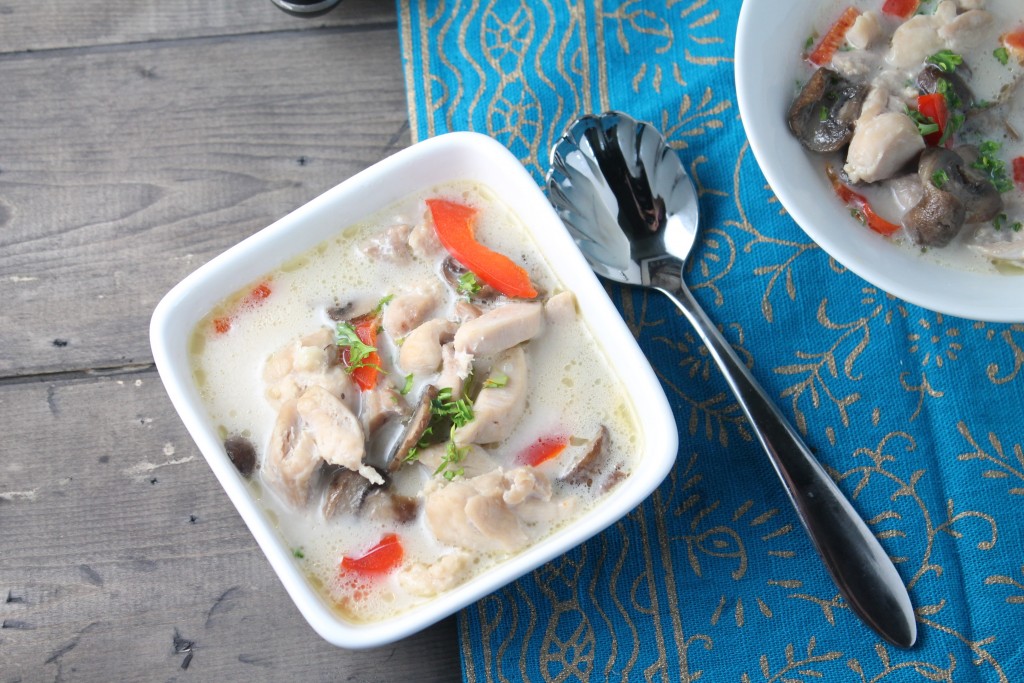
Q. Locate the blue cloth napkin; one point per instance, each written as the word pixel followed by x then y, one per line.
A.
pixel 918 416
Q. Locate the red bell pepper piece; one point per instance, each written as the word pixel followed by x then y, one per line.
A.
pixel 453 224
pixel 860 202
pixel 900 8
pixel 222 324
pixel 934 107
pixel 366 375
pixel 380 559
pixel 822 54
pixel 1015 41
pixel 543 449
pixel 1018 173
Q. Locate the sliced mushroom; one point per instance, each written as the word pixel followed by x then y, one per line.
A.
pixel 348 493
pixel 452 270
pixel 954 194
pixel 936 219
pixel 345 493
pixel 241 453
pixel 387 506
pixel 823 115
pixel 587 468
pixel 414 430
pixel 930 78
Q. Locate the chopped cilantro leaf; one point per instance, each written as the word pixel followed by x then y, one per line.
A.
pixel 298 553
pixel 993 166
pixel 358 352
pixel 384 301
pixel 469 284
pixel 940 178
pixel 947 60
pixel 408 385
pixel 1002 55
pixel 925 124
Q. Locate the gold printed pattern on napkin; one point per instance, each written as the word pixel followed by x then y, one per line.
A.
pixel 617 607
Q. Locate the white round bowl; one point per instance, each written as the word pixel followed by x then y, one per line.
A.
pixel 769 40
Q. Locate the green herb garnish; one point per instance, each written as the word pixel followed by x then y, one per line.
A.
pixel 496 381
pixel 1002 55
pixel 925 124
pixel 809 43
pixel 452 455
pixel 408 385
pixel 298 553
pixel 469 284
pixel 947 60
pixel 955 123
pixel 998 221
pixel 459 410
pixel 384 301
pixel 993 166
pixel 940 178
pixel 358 351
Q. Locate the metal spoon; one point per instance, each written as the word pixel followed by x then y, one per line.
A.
pixel 632 209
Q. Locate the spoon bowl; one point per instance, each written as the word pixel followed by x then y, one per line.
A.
pixel 626 198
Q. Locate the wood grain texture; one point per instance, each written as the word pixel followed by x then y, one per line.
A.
pixel 55 24
pixel 123 169
pixel 121 556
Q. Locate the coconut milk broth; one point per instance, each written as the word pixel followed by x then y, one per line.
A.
pixel 571 390
pixel 988 80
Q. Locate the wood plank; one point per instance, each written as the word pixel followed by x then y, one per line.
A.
pixel 118 544
pixel 123 169
pixel 55 24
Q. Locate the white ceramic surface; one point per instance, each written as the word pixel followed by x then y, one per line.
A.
pixel 438 160
pixel 769 39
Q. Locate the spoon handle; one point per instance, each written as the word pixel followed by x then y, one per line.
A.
pixel 859 566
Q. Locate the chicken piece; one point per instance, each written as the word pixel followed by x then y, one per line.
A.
pixel 465 311
pixel 560 309
pixel 421 351
pixel 972 4
pixel 498 409
pixel 380 404
pixel 292 457
pixel 967 31
pixel 423 241
pixel 391 244
pixel 865 31
pixel 875 104
pixel 428 580
pixel 482 513
pixel 881 147
pixel 335 429
pixel 500 328
pixel 455 368
pixel 856 65
pixel 475 461
pixel 305 362
pixel 407 310
pixel 916 39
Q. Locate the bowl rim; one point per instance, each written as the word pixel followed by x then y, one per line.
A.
pixel 481 157
pixel 947 290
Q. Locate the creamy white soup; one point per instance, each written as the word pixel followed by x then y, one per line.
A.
pixel 917 110
pixel 415 401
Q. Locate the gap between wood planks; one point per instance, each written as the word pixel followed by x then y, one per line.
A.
pixel 130 46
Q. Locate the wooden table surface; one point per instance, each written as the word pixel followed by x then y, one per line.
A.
pixel 138 139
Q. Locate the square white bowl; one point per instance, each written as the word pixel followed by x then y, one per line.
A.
pixel 455 156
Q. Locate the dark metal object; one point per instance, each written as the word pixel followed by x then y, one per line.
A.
pixel 632 209
pixel 306 8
